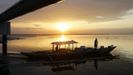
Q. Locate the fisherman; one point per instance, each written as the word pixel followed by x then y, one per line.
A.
pixel 56 48
pixel 96 43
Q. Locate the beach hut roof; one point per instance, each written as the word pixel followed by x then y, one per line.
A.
pixel 64 42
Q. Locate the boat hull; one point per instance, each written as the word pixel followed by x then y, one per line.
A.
pixel 55 56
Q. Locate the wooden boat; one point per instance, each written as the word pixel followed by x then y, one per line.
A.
pixel 70 51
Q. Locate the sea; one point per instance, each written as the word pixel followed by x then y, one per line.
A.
pixel 30 43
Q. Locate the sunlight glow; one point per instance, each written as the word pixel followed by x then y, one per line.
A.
pixel 62 27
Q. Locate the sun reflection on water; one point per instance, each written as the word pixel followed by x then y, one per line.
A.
pixel 63 38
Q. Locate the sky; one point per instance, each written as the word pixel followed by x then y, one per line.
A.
pixel 80 16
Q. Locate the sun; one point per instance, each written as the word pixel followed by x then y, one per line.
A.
pixel 62 26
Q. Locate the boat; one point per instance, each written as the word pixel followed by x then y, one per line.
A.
pixel 68 50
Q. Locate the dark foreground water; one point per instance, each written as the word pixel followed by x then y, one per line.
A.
pixel 122 66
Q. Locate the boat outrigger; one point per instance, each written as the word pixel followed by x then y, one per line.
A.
pixel 67 50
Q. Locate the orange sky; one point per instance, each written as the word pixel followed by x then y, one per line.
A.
pixel 81 16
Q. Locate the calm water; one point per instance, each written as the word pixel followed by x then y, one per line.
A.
pixel 124 43
pixel 122 66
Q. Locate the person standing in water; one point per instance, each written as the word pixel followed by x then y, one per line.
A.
pixel 96 43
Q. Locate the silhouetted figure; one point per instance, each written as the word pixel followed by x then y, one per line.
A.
pixel 56 48
pixel 96 43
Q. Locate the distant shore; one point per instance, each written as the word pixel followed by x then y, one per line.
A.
pixel 12 37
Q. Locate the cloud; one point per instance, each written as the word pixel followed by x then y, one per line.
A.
pixel 90 13
pixel 76 10
pixel 81 10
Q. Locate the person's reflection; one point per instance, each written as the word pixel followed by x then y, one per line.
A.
pixel 4 67
pixel 110 57
pixel 96 64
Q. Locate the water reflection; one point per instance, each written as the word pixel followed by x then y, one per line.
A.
pixel 63 38
pixel 41 43
pixel 55 66
pixel 72 65
pixel 96 63
pixel 124 48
